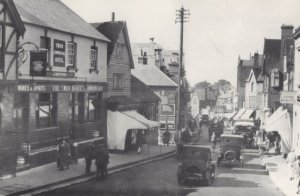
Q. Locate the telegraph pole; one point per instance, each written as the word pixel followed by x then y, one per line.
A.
pixel 181 17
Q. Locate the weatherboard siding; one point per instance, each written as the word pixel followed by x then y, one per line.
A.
pixel 119 66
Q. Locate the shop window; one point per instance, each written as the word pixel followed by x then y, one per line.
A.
pixel 93 57
pixel 46 110
pixel 118 81
pixel 93 107
pixel 72 53
pixel 119 49
pixel 45 44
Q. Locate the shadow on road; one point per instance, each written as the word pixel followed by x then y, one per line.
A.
pixel 233 182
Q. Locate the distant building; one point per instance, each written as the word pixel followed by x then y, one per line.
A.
pixel 207 97
pixel 243 70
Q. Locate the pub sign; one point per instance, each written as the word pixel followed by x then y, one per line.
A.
pixel 38 63
pixel 59 53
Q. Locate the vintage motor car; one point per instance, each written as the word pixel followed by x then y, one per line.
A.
pixel 247 129
pixel 197 165
pixel 231 149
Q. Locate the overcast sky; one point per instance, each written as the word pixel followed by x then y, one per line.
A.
pixel 218 32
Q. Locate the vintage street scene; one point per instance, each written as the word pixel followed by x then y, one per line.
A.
pixel 150 97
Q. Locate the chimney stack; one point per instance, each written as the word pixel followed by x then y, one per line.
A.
pixel 256 60
pixel 286 31
pixel 113 16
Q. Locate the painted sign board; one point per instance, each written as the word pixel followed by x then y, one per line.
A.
pixel 55 88
pixel 59 53
pixel 287 97
pixel 38 63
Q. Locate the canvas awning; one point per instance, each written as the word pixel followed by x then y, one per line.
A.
pixel 280 121
pixel 247 114
pixel 119 122
pixel 239 114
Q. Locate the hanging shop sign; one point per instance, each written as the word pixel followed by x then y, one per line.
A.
pixel 287 97
pixel 55 88
pixel 38 63
pixel 59 53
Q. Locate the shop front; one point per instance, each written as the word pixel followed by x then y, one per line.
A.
pixel 46 112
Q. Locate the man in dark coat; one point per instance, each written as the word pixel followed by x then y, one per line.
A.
pixel 89 156
pixel 63 155
pixel 102 159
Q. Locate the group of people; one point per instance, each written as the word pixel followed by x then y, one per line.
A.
pixel 101 156
pixel 268 141
pixel 94 151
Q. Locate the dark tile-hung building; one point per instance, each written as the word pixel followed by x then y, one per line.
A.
pixel 11 29
pixel 121 105
pixel 61 80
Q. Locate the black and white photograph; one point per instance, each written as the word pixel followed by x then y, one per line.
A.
pixel 150 97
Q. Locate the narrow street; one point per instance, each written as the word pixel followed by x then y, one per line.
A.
pixel 159 178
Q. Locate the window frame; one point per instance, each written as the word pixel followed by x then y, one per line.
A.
pixel 52 108
pixel 93 58
pixel 118 81
pixel 119 51
pixel 47 47
pixel 74 55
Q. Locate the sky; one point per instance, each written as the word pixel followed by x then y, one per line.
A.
pixel 218 31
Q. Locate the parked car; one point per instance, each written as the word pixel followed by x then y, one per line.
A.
pixel 196 164
pixel 231 149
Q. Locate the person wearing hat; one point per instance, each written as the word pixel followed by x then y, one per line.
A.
pixel 89 156
pixel 102 159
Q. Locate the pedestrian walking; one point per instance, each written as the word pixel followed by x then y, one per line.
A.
pixel 63 155
pixel 213 140
pixel 291 160
pixel 166 137
pixel 139 140
pixel 102 159
pixel 89 156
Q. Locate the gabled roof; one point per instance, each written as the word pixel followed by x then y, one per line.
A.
pixel 142 92
pixel 151 76
pixel 272 49
pixel 256 72
pixel 15 16
pixel 53 14
pixel 112 31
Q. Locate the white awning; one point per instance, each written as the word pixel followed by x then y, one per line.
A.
pixel 280 122
pixel 246 115
pixel 119 122
pixel 239 114
pixel 135 115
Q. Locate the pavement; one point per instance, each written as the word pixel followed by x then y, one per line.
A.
pixel 279 174
pixel 48 177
